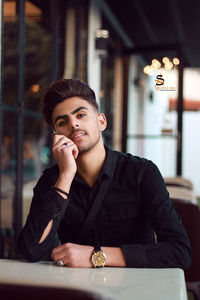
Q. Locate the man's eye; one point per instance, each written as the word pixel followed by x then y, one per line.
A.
pixel 81 115
pixel 62 123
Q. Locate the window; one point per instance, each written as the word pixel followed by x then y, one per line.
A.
pixel 33 56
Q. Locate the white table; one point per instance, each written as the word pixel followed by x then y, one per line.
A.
pixel 118 283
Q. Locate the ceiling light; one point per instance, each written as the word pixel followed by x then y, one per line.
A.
pixel 148 70
pixel 168 65
pixel 35 88
pixel 165 60
pixel 176 61
pixel 155 64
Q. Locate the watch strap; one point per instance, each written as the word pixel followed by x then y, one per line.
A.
pixel 97 248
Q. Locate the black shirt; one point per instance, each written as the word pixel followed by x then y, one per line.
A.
pixel 136 215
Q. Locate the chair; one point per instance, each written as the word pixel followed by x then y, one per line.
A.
pixel 179 181
pixel 24 292
pixel 181 193
pixel 190 216
pixel 180 188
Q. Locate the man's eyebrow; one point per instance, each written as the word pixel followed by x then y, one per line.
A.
pixel 77 109
pixel 73 112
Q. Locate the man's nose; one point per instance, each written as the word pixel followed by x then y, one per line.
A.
pixel 73 123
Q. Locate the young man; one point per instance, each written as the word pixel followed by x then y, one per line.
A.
pixel 135 225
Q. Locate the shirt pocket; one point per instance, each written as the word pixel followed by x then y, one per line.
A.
pixel 123 212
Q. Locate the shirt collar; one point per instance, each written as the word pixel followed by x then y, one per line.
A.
pixel 108 166
pixel 110 162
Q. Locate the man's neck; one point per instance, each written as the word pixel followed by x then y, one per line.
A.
pixel 90 163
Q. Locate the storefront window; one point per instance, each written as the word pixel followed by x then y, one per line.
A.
pixel 76 40
pixel 33 56
pixel 111 86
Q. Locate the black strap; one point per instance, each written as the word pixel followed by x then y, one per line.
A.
pixel 96 204
pixel 94 208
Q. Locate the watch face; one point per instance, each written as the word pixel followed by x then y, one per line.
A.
pixel 98 259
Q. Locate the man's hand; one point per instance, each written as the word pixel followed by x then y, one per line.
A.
pixel 73 255
pixel 65 153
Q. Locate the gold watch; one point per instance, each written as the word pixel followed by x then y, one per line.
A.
pixel 98 257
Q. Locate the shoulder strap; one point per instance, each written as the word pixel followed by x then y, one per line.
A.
pixel 95 205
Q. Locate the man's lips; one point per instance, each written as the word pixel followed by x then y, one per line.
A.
pixel 77 135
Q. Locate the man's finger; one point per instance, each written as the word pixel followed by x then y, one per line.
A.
pixel 58 138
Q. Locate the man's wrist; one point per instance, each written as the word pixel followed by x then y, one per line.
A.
pixel 60 191
pixel 114 257
pixel 98 257
pixel 64 183
pixel 66 177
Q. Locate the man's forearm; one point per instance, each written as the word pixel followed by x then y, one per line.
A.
pixel 80 256
pixel 46 232
pixel 114 257
pixel 64 183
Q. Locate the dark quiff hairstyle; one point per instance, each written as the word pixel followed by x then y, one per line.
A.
pixel 62 89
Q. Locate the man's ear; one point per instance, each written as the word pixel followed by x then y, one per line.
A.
pixel 102 121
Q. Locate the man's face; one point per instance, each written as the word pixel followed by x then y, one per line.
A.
pixel 78 120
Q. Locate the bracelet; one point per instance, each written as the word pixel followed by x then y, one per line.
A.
pixel 59 190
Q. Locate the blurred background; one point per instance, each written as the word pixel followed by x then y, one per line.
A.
pixel 142 60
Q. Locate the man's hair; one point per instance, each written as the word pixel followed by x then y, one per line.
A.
pixel 63 89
